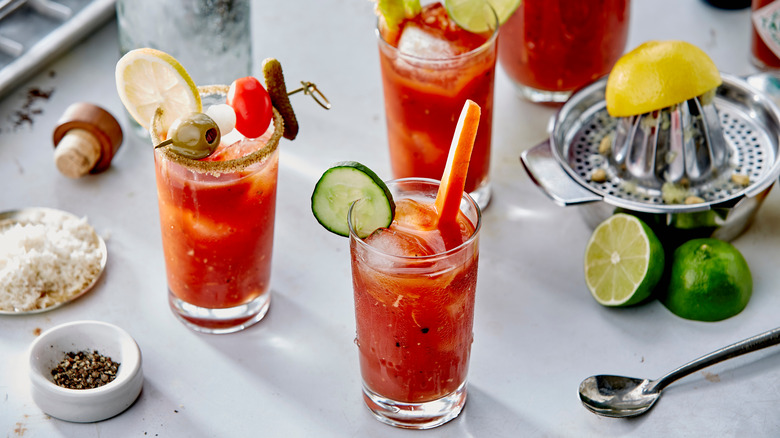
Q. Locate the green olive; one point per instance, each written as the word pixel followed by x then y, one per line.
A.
pixel 194 136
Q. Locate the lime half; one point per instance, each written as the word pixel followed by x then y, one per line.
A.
pixel 475 16
pixel 710 281
pixel 623 261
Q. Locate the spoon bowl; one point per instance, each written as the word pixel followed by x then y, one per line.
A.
pixel 621 397
pixel 617 396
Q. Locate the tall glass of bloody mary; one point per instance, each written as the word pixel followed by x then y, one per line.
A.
pixel 430 66
pixel 414 284
pixel 549 49
pixel 217 221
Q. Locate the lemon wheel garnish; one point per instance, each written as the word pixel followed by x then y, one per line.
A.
pixel 147 79
pixel 659 74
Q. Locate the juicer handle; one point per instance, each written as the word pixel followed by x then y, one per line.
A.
pixel 546 173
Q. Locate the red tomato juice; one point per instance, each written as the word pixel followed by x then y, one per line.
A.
pixel 415 313
pixel 217 228
pixel 424 97
pixel 564 44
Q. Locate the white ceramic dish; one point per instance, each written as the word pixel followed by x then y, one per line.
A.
pixel 85 405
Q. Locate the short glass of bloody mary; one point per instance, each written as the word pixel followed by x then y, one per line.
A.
pixel 217 221
pixel 430 66
pixel 549 49
pixel 414 284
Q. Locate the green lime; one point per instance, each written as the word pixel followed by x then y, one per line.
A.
pixel 624 261
pixel 475 16
pixel 394 11
pixel 709 281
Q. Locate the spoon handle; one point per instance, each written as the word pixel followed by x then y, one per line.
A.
pixel 749 345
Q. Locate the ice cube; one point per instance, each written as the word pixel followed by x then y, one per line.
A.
pixel 415 215
pixel 398 243
pixel 416 41
pixel 232 137
pixel 234 145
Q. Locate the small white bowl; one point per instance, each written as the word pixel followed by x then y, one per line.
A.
pixel 85 405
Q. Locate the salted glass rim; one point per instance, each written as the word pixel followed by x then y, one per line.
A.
pixel 227 166
pixel 470 201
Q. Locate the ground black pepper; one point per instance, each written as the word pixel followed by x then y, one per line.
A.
pixel 27 112
pixel 84 370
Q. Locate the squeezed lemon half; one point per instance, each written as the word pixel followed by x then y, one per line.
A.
pixel 659 74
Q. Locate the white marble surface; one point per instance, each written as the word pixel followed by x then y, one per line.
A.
pixel 538 332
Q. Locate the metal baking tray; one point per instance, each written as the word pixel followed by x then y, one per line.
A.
pixel 34 32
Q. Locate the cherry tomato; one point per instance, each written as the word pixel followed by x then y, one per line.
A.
pixel 252 105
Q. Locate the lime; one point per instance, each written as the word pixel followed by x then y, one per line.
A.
pixel 624 261
pixel 476 17
pixel 709 281
pixel 659 74
pixel 148 79
pixel 394 11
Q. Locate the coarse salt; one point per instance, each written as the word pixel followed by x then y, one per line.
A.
pixel 45 260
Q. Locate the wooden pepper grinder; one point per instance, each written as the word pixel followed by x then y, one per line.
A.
pixel 85 140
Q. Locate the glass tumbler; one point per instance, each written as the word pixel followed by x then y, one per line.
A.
pixel 415 316
pixel 424 94
pixel 217 224
pixel 551 48
pixel 210 38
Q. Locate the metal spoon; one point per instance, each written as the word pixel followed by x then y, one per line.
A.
pixel 618 396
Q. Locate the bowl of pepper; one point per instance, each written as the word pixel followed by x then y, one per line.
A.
pixel 85 371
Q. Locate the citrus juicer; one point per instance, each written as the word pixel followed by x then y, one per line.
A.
pixel 678 149
pixel 718 152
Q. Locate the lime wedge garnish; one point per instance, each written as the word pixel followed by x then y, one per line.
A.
pixel 623 261
pixel 147 79
pixel 394 11
pixel 475 16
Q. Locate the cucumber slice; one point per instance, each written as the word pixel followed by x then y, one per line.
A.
pixel 343 184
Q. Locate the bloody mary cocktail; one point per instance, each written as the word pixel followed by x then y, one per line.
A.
pixel 549 49
pixel 217 222
pixel 414 286
pixel 430 66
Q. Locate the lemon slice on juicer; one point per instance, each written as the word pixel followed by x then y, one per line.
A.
pixel 148 79
pixel 659 74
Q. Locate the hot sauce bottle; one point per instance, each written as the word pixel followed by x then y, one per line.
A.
pixel 765 45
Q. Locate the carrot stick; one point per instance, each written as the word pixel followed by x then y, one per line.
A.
pixel 454 178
